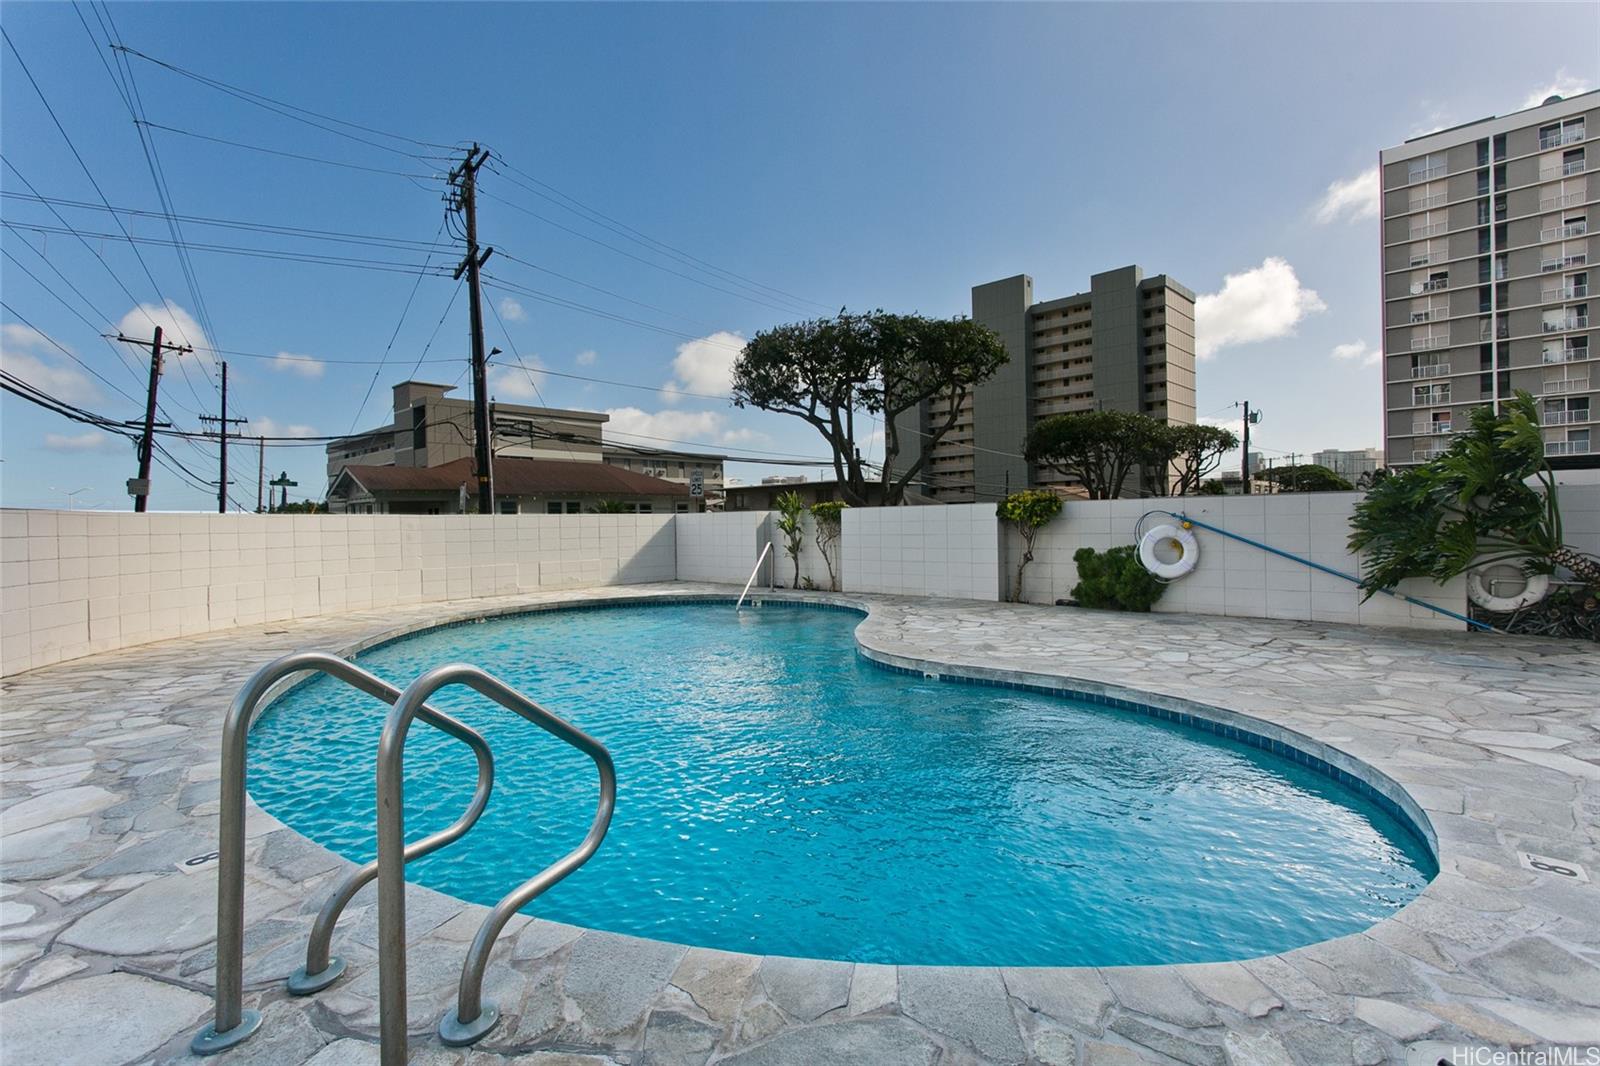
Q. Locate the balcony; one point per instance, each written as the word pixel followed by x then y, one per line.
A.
pixel 1437 398
pixel 1427 455
pixel 1568 135
pixel 1430 370
pixel 1425 173
pixel 1576 166
pixel 1420 260
pixel 1434 285
pixel 1564 418
pixel 1565 385
pixel 1563 262
pixel 1566 447
pixel 1438 340
pixel 1571 229
pixel 1432 229
pixel 1570 322
pixel 1430 429
pixel 1569 292
pixel 1571 199
pixel 1422 203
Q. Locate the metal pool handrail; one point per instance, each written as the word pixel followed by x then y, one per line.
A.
pixel 753 573
pixel 231 1024
pixel 472 1018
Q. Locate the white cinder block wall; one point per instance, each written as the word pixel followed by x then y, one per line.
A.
pixel 949 551
pixel 76 583
pixel 721 547
pixel 1233 578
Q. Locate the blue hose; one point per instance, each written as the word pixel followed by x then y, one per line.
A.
pixel 1473 623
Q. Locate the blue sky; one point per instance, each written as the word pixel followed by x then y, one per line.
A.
pixel 863 155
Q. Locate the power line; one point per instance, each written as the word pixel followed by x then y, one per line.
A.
pixel 289 155
pixel 362 406
pixel 63 349
pixel 622 229
pixel 285 108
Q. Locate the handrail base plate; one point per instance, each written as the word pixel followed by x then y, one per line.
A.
pixel 454 1033
pixel 301 983
pixel 210 1042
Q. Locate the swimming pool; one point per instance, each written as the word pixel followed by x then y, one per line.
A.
pixel 780 794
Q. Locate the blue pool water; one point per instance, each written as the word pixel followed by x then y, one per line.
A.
pixel 779 794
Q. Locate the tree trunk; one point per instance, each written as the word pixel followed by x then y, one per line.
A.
pixel 1583 567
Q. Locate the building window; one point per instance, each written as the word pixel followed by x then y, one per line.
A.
pixel 563 507
pixel 1559 133
pixel 508 505
pixel 419 427
pixel 1429 166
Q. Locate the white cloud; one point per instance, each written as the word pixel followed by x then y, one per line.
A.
pixel 304 365
pixel 703 427
pixel 1359 352
pixel 1350 200
pixel 1257 305
pixel 91 441
pixel 177 327
pixel 1564 85
pixel 21 353
pixel 511 310
pixel 514 382
pixel 262 426
pixel 705 365
pixel 586 357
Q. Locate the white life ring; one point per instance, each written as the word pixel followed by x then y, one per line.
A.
pixel 1537 587
pixel 1176 536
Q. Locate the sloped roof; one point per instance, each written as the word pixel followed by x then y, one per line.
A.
pixel 517 476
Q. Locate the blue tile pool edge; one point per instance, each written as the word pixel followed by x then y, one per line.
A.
pixel 1353 773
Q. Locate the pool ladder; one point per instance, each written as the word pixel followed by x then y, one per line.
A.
pixel 471 1018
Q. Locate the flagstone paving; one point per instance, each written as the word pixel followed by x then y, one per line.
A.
pixel 108 779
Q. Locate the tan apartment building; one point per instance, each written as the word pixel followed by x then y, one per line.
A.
pixel 556 461
pixel 1486 278
pixel 1126 344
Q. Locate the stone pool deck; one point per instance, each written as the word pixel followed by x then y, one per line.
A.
pixel 108 770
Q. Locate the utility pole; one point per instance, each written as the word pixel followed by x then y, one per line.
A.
pixel 222 432
pixel 261 470
pixel 139 487
pixel 1244 461
pixel 463 197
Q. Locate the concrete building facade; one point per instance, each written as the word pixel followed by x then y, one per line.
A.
pixel 432 429
pixel 1126 344
pixel 1486 278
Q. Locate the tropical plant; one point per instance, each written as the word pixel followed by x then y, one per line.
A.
pixel 792 524
pixel 1474 506
pixel 1212 487
pixel 1099 448
pixel 828 370
pixel 828 517
pixel 1115 579
pixel 609 507
pixel 1306 477
pixel 1029 510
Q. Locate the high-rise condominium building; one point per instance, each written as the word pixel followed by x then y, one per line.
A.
pixel 1127 344
pixel 1349 464
pixel 1486 278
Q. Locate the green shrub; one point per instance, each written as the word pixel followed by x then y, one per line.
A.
pixel 1028 510
pixel 1115 579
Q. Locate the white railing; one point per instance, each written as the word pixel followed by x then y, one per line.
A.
pixel 1430 370
pixel 1432 229
pixel 1430 429
pixel 1434 285
pixel 1562 263
pixel 1570 292
pixel 1427 455
pixel 760 559
pixel 1556 355
pixel 1564 418
pixel 1570 322
pixel 1571 229
pixel 1566 385
pixel 1577 166
pixel 1425 173
pixel 1564 200
pixel 1421 260
pixel 1424 316
pixel 1422 203
pixel 1567 135
pixel 1437 398
pixel 1566 447
pixel 1424 343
